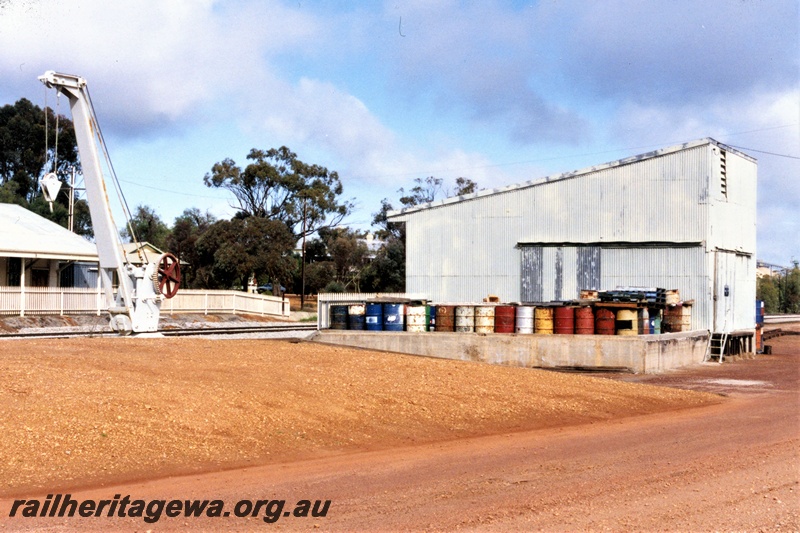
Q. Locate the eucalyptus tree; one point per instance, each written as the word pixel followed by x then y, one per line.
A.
pixel 276 185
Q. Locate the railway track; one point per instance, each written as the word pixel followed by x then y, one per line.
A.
pixel 184 332
pixel 781 319
pixel 172 332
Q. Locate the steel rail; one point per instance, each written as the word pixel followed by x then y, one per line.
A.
pixel 183 332
pixel 781 319
pixel 172 332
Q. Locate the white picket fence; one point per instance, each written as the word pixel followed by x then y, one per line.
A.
pixel 58 301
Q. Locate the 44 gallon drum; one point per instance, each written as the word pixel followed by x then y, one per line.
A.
pixel 356 315
pixel 484 319
pixel 415 318
pixel 374 317
pixel 465 318
pixel 338 317
pixel 543 320
pixel 445 318
pixel 564 320
pixel 394 317
pixel 523 323
pixel 605 322
pixel 584 321
pixel 504 318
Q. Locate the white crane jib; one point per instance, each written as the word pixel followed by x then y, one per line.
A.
pixel 137 304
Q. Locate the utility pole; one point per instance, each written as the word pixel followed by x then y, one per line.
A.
pixel 72 199
pixel 303 262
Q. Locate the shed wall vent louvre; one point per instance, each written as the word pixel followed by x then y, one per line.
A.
pixel 723 173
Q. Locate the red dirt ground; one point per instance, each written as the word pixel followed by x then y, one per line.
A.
pixel 730 465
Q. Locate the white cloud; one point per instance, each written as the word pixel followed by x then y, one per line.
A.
pixel 148 62
pixel 725 119
pixel 479 59
pixel 319 113
pixel 766 121
pixel 678 51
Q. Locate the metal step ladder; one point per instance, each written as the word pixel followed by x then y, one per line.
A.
pixel 718 342
pixel 716 346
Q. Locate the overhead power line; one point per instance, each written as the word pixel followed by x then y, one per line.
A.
pixel 180 193
pixel 583 154
pixel 763 152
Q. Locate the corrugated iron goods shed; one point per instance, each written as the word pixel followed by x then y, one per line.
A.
pixel 683 217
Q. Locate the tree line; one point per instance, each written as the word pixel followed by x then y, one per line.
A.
pixel 781 293
pixel 279 199
pixel 261 240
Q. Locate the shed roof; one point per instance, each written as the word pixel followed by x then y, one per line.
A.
pixel 399 213
pixel 23 233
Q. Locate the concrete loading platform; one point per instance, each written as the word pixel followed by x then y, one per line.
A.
pixel 642 354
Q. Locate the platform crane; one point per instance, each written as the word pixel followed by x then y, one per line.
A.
pixel 136 306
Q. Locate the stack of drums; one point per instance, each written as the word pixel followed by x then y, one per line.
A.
pixel 655 322
pixel 543 320
pixel 445 318
pixel 644 322
pixel 338 317
pixel 465 318
pixel 356 317
pixel 584 321
pixel 524 320
pixel 564 320
pixel 393 317
pixel 484 319
pixel 504 319
pixel 627 322
pixel 374 317
pixel 416 318
pixel 604 322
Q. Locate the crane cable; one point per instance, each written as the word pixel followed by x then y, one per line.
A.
pixel 46 127
pixel 55 155
pixel 123 202
pixel 47 130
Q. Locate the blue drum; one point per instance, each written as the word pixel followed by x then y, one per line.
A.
pixel 374 317
pixel 394 317
pixel 338 317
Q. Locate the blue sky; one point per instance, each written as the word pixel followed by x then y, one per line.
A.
pixel 385 92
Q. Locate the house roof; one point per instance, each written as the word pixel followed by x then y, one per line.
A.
pixel 150 253
pixel 398 213
pixel 131 251
pixel 23 233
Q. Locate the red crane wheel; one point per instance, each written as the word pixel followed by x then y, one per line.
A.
pixel 169 275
